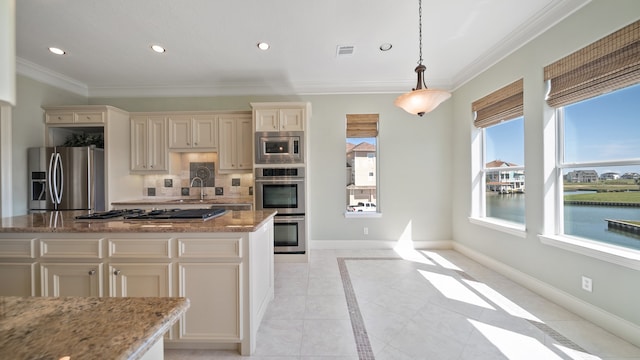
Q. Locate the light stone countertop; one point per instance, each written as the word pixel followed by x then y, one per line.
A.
pixel 64 221
pixel 49 328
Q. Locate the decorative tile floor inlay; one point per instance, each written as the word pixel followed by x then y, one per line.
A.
pixel 361 337
pixel 365 352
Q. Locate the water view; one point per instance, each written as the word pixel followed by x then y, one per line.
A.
pixel 587 221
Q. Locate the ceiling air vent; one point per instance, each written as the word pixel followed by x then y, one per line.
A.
pixel 344 50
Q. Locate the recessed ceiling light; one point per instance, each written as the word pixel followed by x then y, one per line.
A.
pixel 57 51
pixel 263 46
pixel 385 47
pixel 157 48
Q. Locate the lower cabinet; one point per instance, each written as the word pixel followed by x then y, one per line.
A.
pixel 71 279
pixel 227 277
pixel 214 313
pixel 17 279
pixel 139 280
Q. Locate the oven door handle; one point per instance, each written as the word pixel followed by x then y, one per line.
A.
pixel 279 181
pixel 285 218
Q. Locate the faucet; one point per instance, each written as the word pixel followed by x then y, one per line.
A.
pixel 201 186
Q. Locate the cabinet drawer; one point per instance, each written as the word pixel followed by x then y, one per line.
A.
pixel 17 248
pixel 140 248
pixel 89 117
pixel 71 248
pixel 62 118
pixel 208 248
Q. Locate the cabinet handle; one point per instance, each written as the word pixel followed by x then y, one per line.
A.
pixel 92 272
pixel 196 144
pixel 116 272
pixel 188 143
pixel 59 117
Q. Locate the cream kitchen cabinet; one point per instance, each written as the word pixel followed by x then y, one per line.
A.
pixel 71 279
pixel 18 267
pixel 193 132
pixel 76 116
pixel 139 280
pixel 280 116
pixel 148 143
pixel 235 146
pixel 17 279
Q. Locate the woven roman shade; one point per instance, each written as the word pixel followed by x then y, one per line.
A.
pixel 362 125
pixel 503 104
pixel 608 64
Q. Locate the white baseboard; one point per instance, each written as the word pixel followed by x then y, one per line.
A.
pixel 612 323
pixel 375 244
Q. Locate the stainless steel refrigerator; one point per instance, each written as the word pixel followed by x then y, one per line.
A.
pixel 66 178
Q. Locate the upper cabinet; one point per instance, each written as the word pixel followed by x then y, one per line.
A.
pixel 280 116
pixel 235 150
pixel 77 116
pixel 193 132
pixel 148 143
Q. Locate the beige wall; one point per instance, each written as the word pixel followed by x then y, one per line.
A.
pixel 615 287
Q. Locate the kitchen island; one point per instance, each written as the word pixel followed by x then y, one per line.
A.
pixel 224 266
pixel 86 327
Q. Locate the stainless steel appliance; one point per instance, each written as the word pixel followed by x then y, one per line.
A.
pixel 283 189
pixel 284 147
pixel 169 214
pixel 66 178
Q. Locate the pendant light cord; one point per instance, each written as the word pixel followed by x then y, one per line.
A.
pixel 420 29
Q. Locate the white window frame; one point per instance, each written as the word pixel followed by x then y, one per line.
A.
pixel 378 212
pixel 554 232
pixel 478 208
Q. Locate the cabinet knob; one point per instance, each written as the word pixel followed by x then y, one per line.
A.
pixel 116 272
pixel 188 143
pixel 196 144
pixel 92 272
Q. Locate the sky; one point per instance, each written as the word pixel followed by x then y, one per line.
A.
pixel 598 129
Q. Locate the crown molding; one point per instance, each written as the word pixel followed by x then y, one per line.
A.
pixel 552 14
pixel 44 75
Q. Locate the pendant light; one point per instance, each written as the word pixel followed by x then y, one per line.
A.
pixel 421 100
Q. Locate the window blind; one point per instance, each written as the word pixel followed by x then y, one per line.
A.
pixel 362 125
pixel 608 64
pixel 503 104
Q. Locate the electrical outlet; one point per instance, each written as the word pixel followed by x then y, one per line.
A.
pixel 587 284
pixel 366 231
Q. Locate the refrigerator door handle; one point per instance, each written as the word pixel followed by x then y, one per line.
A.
pixel 59 189
pixel 55 191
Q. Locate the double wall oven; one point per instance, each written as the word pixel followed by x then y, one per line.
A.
pixel 283 189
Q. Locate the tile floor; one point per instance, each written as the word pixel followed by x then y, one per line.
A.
pixel 424 305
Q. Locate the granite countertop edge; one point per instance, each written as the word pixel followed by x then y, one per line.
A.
pixel 65 222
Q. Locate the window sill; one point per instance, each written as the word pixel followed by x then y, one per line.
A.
pixel 504 226
pixel 610 253
pixel 362 214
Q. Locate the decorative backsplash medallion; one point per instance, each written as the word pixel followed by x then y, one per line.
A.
pixel 203 170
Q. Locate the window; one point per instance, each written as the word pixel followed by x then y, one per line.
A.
pixel 501 124
pixel 600 165
pixel 362 164
pixel 595 91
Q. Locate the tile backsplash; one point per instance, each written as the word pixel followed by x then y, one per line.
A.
pixel 178 181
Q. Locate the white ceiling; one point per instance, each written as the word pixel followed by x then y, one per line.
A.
pixel 211 44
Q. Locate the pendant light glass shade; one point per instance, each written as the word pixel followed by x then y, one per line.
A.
pixel 421 100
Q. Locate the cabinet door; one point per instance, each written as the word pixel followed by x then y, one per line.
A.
pixel 267 120
pixel 63 279
pixel 157 143
pixel 59 117
pixel 180 132
pixel 205 131
pixel 291 119
pixel 17 279
pixel 139 135
pixel 215 294
pixel 244 143
pixel 140 280
pixel 226 144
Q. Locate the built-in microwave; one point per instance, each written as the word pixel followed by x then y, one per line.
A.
pixel 283 147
